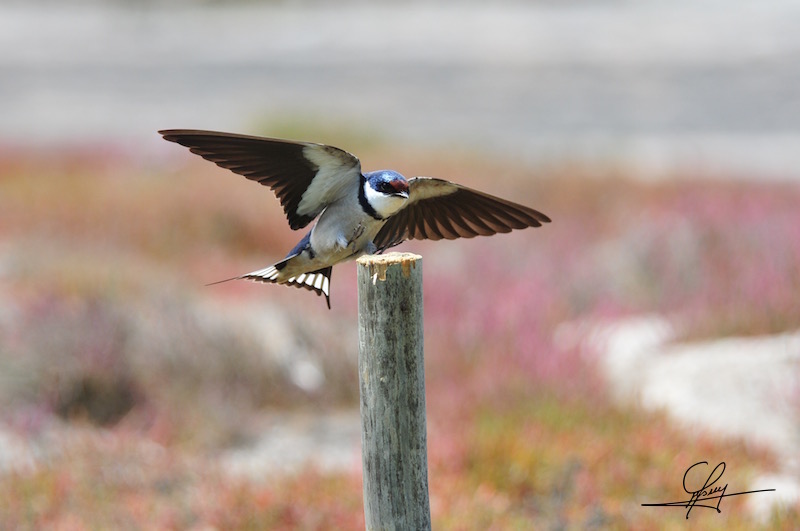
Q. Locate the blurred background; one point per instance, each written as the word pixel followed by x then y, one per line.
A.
pixel 574 371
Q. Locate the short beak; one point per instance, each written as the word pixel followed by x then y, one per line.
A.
pixel 402 193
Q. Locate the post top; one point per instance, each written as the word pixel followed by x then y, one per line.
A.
pixel 377 264
pixel 387 259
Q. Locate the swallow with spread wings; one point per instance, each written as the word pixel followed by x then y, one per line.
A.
pixel 356 213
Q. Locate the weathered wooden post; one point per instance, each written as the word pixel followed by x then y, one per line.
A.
pixel 392 382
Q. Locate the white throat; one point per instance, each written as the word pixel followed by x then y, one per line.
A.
pixel 384 205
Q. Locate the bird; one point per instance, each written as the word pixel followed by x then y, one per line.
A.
pixel 356 212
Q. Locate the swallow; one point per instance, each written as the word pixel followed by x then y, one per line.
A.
pixel 356 213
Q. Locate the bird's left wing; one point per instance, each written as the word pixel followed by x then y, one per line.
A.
pixel 439 209
pixel 305 176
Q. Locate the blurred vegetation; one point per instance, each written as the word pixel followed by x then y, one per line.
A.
pixel 111 346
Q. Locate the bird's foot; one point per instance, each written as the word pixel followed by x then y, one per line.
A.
pixel 356 235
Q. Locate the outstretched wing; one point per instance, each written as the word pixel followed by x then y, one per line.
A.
pixel 305 176
pixel 439 209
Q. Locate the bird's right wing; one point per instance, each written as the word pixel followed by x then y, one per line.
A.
pixel 305 176
pixel 439 209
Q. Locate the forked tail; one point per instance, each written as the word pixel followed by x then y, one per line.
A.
pixel 318 281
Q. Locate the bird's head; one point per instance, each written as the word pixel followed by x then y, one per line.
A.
pixel 386 191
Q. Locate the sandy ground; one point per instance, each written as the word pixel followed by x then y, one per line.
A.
pixel 290 442
pixel 660 85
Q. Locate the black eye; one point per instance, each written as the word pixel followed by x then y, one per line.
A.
pixel 385 187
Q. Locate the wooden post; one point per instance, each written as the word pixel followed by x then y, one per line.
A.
pixel 392 382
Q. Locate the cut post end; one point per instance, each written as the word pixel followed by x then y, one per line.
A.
pixel 388 258
pixel 377 264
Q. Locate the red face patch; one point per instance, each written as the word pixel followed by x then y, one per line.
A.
pixel 399 185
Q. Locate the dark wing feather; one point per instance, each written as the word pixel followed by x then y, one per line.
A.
pixel 439 209
pixel 285 166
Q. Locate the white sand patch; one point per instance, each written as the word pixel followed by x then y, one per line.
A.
pixel 743 387
pixel 16 455
pixel 291 442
